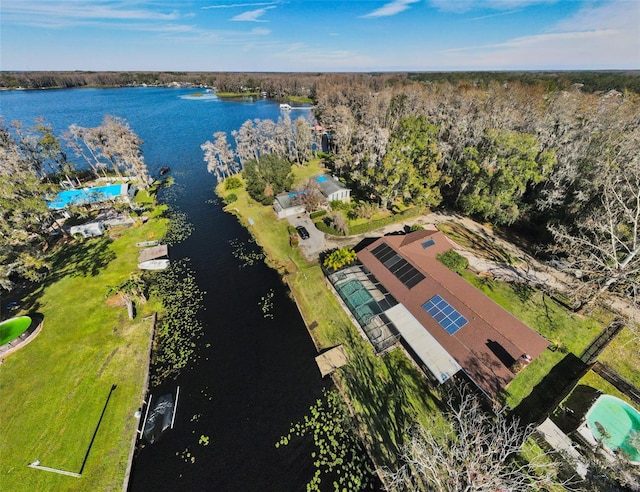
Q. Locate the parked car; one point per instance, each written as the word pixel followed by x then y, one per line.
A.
pixel 302 232
pixel 12 306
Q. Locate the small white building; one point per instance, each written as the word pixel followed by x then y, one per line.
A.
pixel 285 206
pixel 332 189
pixel 90 229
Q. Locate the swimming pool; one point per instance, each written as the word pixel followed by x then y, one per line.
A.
pixel 87 195
pixel 614 422
pixel 360 302
pixel 13 328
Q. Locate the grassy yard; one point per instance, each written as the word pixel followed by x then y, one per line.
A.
pixel 622 356
pixel 54 390
pixel 566 331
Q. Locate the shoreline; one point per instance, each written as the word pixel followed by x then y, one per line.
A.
pixel 145 391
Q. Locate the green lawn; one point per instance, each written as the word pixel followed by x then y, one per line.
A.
pixel 566 331
pixel 622 356
pixel 54 389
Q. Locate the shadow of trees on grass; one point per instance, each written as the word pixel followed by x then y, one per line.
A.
pixel 386 392
pixel 82 259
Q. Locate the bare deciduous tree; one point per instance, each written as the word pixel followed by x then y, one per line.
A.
pixel 604 243
pixel 474 451
pixel 219 156
pixel 113 144
pixel 309 195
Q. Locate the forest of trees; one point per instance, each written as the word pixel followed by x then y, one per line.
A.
pixel 281 85
pixel 561 166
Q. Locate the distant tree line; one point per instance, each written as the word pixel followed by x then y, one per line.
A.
pixel 280 85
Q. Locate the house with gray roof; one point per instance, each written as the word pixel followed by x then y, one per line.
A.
pixel 285 204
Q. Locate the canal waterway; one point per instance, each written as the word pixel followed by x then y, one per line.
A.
pixel 253 376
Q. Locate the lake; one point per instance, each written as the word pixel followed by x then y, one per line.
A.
pixel 253 376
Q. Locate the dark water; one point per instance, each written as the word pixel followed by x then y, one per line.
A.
pixel 253 375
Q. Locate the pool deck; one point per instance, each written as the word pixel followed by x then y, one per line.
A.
pixel 561 443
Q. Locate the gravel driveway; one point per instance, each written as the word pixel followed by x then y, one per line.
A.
pixel 313 246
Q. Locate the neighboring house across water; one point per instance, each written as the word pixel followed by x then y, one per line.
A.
pixel 400 290
pixel 285 204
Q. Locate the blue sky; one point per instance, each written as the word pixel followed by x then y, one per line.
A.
pixel 319 35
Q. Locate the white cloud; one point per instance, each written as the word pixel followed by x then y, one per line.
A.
pixel 392 8
pixel 605 36
pixel 252 15
pixel 462 6
pixel 237 5
pixel 58 14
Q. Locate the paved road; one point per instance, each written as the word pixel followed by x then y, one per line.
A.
pixel 313 246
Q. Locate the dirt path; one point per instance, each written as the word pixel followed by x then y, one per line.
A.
pixel 522 268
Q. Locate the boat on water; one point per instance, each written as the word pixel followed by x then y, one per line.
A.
pixel 285 107
pixel 147 244
pixel 159 419
pixel 153 265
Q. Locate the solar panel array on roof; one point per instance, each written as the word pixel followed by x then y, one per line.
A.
pixel 445 314
pixel 396 264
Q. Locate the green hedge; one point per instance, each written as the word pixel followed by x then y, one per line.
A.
pixel 377 224
pixel 321 226
pixel 318 213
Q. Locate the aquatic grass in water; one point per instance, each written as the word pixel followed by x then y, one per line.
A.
pixel 266 304
pixel 248 258
pixel 179 328
pixel 179 227
pixel 339 455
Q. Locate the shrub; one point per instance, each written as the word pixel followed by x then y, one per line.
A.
pixel 366 210
pixel 232 183
pixel 319 213
pixel 453 260
pixel 326 227
pixel 230 198
pixel 340 205
pixel 416 227
pixel 339 222
pixel 340 258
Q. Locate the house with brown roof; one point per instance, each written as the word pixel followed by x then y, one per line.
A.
pixel 447 323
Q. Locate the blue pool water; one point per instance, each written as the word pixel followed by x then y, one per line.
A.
pixel 614 422
pixel 87 195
